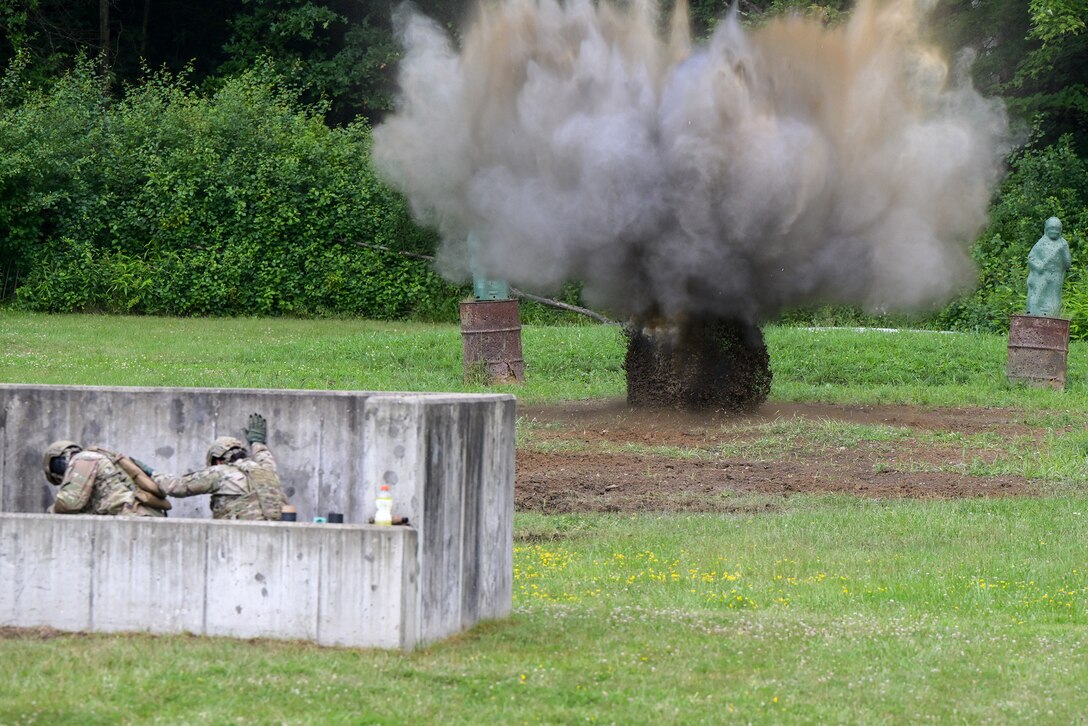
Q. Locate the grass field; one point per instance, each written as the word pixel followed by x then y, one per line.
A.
pixel 562 363
pixel 816 609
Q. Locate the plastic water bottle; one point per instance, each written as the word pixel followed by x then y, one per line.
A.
pixel 384 503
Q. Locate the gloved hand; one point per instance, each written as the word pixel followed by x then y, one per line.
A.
pixel 257 429
pixel 143 467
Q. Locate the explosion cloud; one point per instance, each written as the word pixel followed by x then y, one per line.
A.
pixel 789 164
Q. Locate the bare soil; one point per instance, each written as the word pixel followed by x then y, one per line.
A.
pixel 571 460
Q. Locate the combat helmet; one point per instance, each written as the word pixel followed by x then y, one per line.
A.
pixel 55 449
pixel 220 447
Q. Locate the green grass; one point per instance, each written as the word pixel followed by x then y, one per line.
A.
pixel 562 362
pixel 798 609
pixel 815 555
pixel 914 367
pixel 825 609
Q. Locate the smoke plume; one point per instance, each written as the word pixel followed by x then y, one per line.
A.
pixel 769 168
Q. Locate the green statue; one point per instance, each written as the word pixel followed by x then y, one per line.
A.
pixel 1048 262
pixel 484 288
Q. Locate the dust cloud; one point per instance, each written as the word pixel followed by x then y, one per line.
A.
pixel 768 168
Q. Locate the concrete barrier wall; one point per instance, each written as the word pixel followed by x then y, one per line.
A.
pixel 448 458
pixel 344 585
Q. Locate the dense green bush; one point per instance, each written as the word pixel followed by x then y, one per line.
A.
pixel 170 201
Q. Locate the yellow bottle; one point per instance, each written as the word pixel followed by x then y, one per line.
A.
pixel 384 503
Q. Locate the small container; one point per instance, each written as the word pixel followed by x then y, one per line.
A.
pixel 336 518
pixel 319 520
pixel 383 503
pixel 289 513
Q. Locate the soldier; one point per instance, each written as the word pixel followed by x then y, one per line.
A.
pixel 98 481
pixel 243 485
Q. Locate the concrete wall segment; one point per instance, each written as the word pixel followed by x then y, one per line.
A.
pixel 449 459
pixel 38 562
pixel 335 585
pixel 321 439
pixel 148 578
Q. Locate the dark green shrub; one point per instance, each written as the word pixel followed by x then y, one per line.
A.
pixel 173 202
pixel 50 144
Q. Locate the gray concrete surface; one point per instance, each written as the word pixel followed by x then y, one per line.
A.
pixel 349 585
pixel 448 458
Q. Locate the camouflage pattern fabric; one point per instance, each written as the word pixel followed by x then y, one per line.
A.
pixel 93 484
pixel 269 492
pixel 245 489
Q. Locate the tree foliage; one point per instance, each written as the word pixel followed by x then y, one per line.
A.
pixel 171 201
pixel 347 63
pixel 207 186
pixel 1032 54
pixel 171 34
pixel 339 52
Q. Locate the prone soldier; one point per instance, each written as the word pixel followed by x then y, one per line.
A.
pixel 99 481
pixel 243 484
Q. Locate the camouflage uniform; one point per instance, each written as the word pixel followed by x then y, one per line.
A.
pixel 102 489
pixel 245 489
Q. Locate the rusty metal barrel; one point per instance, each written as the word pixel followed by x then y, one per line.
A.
pixel 491 341
pixel 1038 348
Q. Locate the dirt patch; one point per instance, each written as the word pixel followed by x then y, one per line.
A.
pixel 40 633
pixel 607 457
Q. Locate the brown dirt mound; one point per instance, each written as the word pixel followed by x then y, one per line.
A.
pixel 681 461
pixel 701 364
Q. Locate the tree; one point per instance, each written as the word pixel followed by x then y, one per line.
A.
pixel 1032 54
pixel 130 34
pixel 1052 81
pixel 341 52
